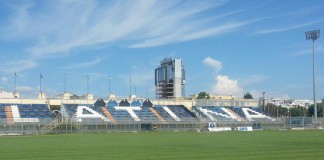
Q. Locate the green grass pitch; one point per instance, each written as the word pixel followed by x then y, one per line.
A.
pixel 308 144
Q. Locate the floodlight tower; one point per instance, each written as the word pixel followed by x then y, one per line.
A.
pixel 313 35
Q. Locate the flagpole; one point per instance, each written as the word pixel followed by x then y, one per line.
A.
pixel 40 83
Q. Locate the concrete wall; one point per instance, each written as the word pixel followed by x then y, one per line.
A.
pixel 24 101
pixel 187 103
pixel 226 103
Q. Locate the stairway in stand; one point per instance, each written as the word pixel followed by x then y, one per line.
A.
pixel 157 115
pixel 50 126
pixel 201 126
pixel 9 115
pixel 108 115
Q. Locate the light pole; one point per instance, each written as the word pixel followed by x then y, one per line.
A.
pixel 323 107
pixel 40 83
pixel 109 84
pixel 323 112
pixel 263 101
pixel 313 35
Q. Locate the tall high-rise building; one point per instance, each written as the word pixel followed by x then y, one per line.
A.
pixel 170 79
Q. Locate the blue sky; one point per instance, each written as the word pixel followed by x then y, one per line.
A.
pixel 228 47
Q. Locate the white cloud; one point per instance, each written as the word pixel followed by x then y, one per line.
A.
pixel 32 92
pixel 269 94
pixel 294 26
pixel 25 89
pixel 253 79
pixel 18 65
pixel 256 94
pixel 226 86
pixel 52 29
pixel 139 78
pixel 142 80
pixel 186 34
pixel 318 50
pixel 4 79
pixel 140 23
pixel 20 20
pixel 50 92
pixel 277 95
pixel 215 64
pixel 85 64
pixel 320 79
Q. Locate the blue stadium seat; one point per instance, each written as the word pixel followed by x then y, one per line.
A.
pixel 34 111
pixel 238 110
pixel 28 110
pixel 216 112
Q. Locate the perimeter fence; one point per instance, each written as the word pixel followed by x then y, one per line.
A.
pixel 73 125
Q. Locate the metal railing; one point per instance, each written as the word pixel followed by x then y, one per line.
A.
pixel 72 125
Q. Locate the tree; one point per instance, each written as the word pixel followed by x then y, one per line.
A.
pixel 203 95
pixel 319 110
pixel 298 111
pixel 275 111
pixel 248 96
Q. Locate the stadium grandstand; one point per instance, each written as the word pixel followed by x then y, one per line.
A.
pixel 36 116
